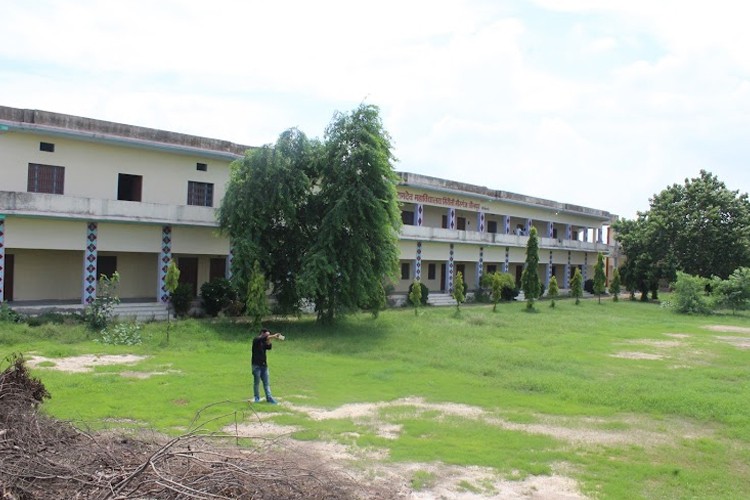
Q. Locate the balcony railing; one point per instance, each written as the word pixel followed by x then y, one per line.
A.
pixel 71 207
pixel 423 233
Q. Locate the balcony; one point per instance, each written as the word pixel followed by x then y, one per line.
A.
pixel 422 233
pixel 71 207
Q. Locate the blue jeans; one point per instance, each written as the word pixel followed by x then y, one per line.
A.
pixel 261 373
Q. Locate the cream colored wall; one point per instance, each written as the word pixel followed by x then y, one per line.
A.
pixel 113 237
pixel 431 284
pixel 23 232
pixel 469 253
pixel 198 240
pixel 433 216
pixel 91 169
pixel 138 274
pixel 47 275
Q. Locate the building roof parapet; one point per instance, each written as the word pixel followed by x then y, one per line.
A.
pixel 105 131
pixel 428 182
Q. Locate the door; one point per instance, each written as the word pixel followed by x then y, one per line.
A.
pixel 519 272
pixel 8 288
pixel 189 272
pixel 105 265
pixel 217 269
pixel 442 277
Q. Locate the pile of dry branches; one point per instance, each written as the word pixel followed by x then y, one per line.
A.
pixel 42 458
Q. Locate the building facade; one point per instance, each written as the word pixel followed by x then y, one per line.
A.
pixel 81 197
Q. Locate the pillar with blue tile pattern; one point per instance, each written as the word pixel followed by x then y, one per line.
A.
pixel 89 264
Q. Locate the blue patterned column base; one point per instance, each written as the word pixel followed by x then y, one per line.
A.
pixel 549 269
pixel 506 224
pixel 529 222
pixel 89 264
pixel 230 260
pixel 481 222
pixel 567 273
pixel 451 218
pixel 450 270
pixel 599 235
pixel 420 214
pixel 418 265
pixel 507 260
pixel 164 258
pixel 568 232
pixel 2 258
pixel 550 229
pixel 585 265
pixel 480 268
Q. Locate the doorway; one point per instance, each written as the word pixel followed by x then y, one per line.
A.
pixel 8 286
pixel 442 277
pixel 189 272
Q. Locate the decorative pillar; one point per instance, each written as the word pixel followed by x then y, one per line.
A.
pixel 229 261
pixel 549 270
pixel 585 234
pixel 480 221
pixel 480 268
pixel 420 214
pixel 568 232
pixel 599 235
pixel 164 258
pixel 451 218
pixel 450 269
pixel 585 265
pixel 2 258
pixel 527 231
pixel 418 264
pixel 89 264
pixel 566 278
pixel 506 223
pixel 550 229
pixel 507 259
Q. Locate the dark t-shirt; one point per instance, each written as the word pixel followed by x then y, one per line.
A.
pixel 259 351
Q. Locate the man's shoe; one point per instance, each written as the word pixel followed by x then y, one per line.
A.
pixel 256 400
pixel 271 401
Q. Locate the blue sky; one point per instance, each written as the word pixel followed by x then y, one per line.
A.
pixel 601 103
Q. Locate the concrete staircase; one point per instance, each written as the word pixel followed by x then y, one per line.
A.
pixel 440 299
pixel 141 311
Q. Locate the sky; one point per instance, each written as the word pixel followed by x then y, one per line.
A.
pixel 599 103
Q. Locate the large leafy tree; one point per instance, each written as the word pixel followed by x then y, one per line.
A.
pixel 355 245
pixel 699 227
pixel 530 277
pixel 269 212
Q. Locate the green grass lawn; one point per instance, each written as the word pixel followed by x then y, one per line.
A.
pixel 629 399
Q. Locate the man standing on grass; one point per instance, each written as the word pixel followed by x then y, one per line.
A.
pixel 261 344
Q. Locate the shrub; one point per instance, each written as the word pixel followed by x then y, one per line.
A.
pixel 181 299
pixel 588 286
pixel 8 315
pixel 98 314
pixel 216 295
pixel 121 334
pixel 423 297
pixel 688 294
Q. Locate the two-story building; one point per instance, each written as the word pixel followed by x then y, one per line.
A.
pixel 451 227
pixel 81 197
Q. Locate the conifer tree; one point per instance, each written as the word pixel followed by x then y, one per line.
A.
pixel 576 286
pixel 530 278
pixel 458 290
pixel 614 287
pixel 553 291
pixel 600 280
pixel 256 302
pixel 415 295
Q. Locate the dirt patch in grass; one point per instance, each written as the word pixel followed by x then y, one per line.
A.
pixel 370 467
pixel 739 342
pixel 636 355
pixel 727 329
pixel 84 363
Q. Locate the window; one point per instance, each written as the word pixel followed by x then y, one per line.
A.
pixel 491 268
pixel 201 194
pixel 445 222
pixel 217 268
pixel 461 223
pixel 554 232
pixel 520 230
pixel 203 167
pixel 491 226
pixel 106 265
pixel 575 235
pixel 407 217
pixel 47 146
pixel 405 271
pixel 46 179
pixel 129 187
pixel 431 271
